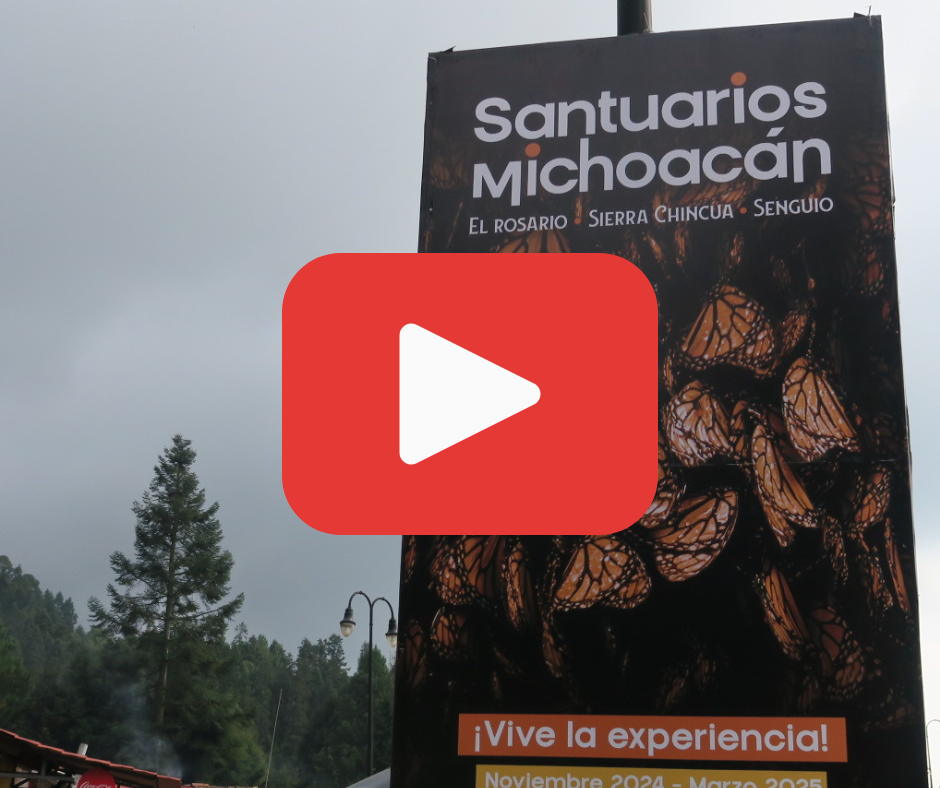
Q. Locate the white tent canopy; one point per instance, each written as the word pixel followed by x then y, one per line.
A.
pixel 380 779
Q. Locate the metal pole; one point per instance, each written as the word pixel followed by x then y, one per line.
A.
pixel 371 743
pixel 927 737
pixel 347 624
pixel 634 16
pixel 273 733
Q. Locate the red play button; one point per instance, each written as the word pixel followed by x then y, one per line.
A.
pixel 469 393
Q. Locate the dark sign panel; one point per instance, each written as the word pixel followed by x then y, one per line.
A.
pixel 757 626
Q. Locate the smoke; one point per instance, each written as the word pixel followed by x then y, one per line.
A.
pixel 142 746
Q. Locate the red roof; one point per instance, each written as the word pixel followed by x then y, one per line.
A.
pixel 28 756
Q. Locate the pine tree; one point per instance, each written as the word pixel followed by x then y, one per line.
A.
pixel 172 592
pixel 14 680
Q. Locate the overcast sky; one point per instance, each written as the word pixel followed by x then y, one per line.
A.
pixel 167 166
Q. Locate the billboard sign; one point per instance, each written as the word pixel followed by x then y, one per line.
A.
pixel 757 625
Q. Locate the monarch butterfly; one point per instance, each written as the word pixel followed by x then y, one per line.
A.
pixel 520 594
pixel 697 425
pixel 731 329
pixel 668 489
pixel 793 328
pixel 547 580
pixel 602 570
pixel 554 651
pixel 450 634
pixel 447 580
pixel 669 369
pixel 868 498
pixel 870 201
pixel 414 653
pixel 834 545
pixel 409 558
pixel 872 576
pixel 816 421
pixel 738 432
pixel 696 536
pixel 780 527
pixel 781 612
pixel 895 569
pixel 537 242
pixel 480 561
pixel 868 192
pixel 781 493
pixel 864 265
pixel 841 656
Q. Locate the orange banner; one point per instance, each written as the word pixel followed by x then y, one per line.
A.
pixel 797 739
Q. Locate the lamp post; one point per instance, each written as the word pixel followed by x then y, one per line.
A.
pixel 348 624
pixel 927 736
pixel 634 16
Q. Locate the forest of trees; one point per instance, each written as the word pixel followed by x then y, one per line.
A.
pixel 158 682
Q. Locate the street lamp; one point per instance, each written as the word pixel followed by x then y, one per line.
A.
pixel 348 624
pixel 927 736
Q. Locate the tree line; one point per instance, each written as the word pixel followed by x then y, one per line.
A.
pixel 160 682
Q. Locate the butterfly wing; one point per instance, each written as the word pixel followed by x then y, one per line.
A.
pixel 447 580
pixel 793 328
pixel 816 421
pixel 692 540
pixel 868 499
pixel 668 489
pixel 834 545
pixel 781 612
pixel 840 653
pixel 697 425
pixel 554 651
pixel 868 564
pixel 520 598
pixel 409 558
pixel 895 569
pixel 602 570
pixel 451 634
pixel 480 560
pixel 537 242
pixel 731 329
pixel 782 495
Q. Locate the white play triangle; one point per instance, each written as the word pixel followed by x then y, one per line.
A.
pixel 448 394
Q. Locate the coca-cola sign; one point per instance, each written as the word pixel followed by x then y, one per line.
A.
pixel 97 778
